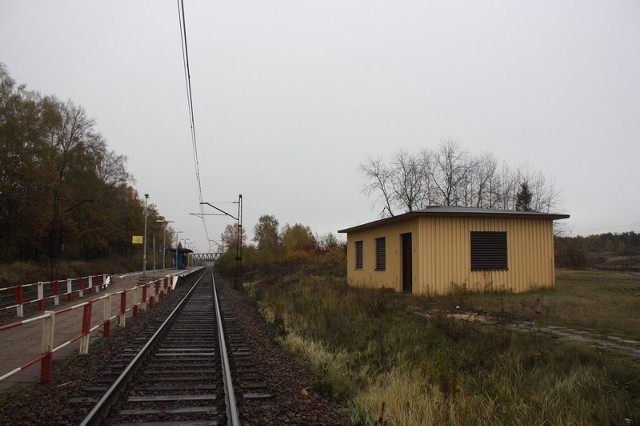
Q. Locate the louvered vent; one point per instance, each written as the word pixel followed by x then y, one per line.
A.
pixel 489 251
pixel 359 255
pixel 381 254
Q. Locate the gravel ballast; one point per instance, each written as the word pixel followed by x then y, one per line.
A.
pixel 293 401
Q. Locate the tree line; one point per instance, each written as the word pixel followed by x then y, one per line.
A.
pixel 617 251
pixel 295 243
pixel 271 239
pixel 452 176
pixel 63 193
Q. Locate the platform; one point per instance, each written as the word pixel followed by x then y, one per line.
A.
pixel 21 344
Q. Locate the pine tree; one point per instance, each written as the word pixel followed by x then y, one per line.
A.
pixel 523 198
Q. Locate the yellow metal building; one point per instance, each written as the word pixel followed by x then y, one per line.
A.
pixel 440 250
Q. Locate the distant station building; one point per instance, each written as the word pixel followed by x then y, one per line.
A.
pixel 182 259
pixel 441 250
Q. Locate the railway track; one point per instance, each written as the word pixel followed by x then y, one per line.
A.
pixel 181 374
pixel 177 380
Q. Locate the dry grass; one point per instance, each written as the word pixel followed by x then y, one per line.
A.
pixel 605 302
pixel 389 366
pixel 30 272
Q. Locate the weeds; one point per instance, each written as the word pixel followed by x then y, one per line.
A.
pixel 393 367
pixel 334 376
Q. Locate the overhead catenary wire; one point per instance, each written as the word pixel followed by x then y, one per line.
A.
pixel 187 75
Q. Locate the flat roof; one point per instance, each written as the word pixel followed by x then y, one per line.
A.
pixel 180 250
pixel 452 211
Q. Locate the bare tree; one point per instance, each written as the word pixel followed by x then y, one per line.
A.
pixel 451 176
pixel 484 173
pixel 406 181
pixel 74 132
pixel 544 195
pixel 426 164
pixel 378 184
pixel 451 166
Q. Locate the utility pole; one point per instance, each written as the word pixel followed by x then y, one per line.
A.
pixel 239 242
pixel 164 239
pixel 238 220
pixel 154 252
pixel 144 239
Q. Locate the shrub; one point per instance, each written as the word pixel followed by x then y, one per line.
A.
pixel 369 349
pixel 21 273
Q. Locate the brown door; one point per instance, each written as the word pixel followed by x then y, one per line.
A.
pixel 407 263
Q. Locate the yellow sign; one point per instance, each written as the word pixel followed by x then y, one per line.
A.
pixel 137 239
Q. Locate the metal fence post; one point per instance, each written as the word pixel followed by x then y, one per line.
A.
pixel 56 293
pixel 69 289
pixel 123 308
pixel 136 301
pixel 174 281
pixel 107 316
pixel 40 296
pixel 19 301
pixel 159 290
pixel 86 328
pixel 48 328
pixel 144 297
pixel 152 297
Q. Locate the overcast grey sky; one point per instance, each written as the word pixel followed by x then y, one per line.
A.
pixel 290 96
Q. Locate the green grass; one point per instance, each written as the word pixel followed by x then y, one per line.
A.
pixel 604 302
pixel 388 365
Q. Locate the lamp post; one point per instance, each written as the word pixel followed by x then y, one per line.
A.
pixel 144 239
pixel 154 252
pixel 177 243
pixel 164 239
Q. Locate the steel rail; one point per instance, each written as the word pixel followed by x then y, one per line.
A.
pixel 111 395
pixel 233 418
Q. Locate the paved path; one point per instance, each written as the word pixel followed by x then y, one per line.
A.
pixel 21 344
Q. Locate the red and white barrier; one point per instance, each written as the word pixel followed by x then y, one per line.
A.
pixel 22 295
pixel 158 289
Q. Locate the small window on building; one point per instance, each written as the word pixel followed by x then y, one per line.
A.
pixel 359 255
pixel 489 251
pixel 381 254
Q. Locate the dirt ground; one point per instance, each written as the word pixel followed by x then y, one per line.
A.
pixel 618 345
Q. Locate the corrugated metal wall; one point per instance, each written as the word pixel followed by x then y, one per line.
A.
pixel 368 276
pixel 445 262
pixel 441 255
